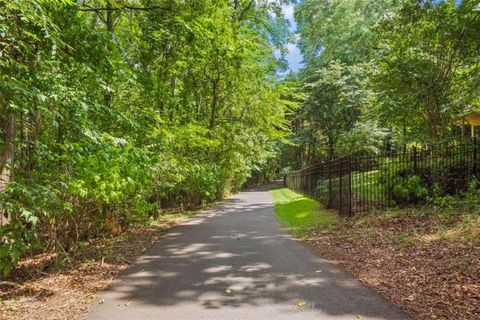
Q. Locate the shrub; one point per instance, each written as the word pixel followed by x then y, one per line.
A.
pixel 455 178
pixel 409 189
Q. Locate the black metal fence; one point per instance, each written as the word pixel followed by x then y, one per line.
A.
pixel 363 182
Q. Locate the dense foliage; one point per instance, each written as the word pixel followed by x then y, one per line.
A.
pixel 383 74
pixel 113 109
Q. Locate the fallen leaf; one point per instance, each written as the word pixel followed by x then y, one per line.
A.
pixel 301 304
pixel 410 298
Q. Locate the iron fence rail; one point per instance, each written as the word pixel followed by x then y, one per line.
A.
pixel 362 182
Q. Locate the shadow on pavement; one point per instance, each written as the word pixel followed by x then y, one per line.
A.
pixel 234 261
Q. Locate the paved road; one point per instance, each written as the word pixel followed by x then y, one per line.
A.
pixel 235 262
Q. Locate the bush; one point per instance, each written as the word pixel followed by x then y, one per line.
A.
pixel 472 196
pixel 455 178
pixel 468 200
pixel 407 185
pixel 409 189
pixel 21 234
pixel 100 184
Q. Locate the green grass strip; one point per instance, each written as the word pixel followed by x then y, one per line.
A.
pixel 300 214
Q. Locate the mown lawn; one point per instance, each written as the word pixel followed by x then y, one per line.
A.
pixel 300 214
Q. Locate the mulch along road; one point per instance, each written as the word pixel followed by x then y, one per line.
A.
pixel 428 276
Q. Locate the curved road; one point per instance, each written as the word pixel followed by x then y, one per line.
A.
pixel 235 261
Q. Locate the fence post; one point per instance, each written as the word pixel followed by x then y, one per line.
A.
pixel 330 187
pixel 350 177
pixel 475 155
pixel 415 160
pixel 340 189
pixel 310 175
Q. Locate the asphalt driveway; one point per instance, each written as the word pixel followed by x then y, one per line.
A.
pixel 236 262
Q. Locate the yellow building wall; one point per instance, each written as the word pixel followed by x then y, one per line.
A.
pixel 473 120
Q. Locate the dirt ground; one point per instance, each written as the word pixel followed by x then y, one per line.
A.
pixel 426 263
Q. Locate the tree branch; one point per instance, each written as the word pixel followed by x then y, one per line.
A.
pixel 245 10
pixel 85 7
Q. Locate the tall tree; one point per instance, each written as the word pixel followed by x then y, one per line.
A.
pixel 428 75
pixel 114 109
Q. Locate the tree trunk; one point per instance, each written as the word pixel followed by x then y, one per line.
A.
pixel 108 97
pixel 214 104
pixel 331 145
pixel 434 120
pixel 6 152
pixel 173 85
pixel 7 135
